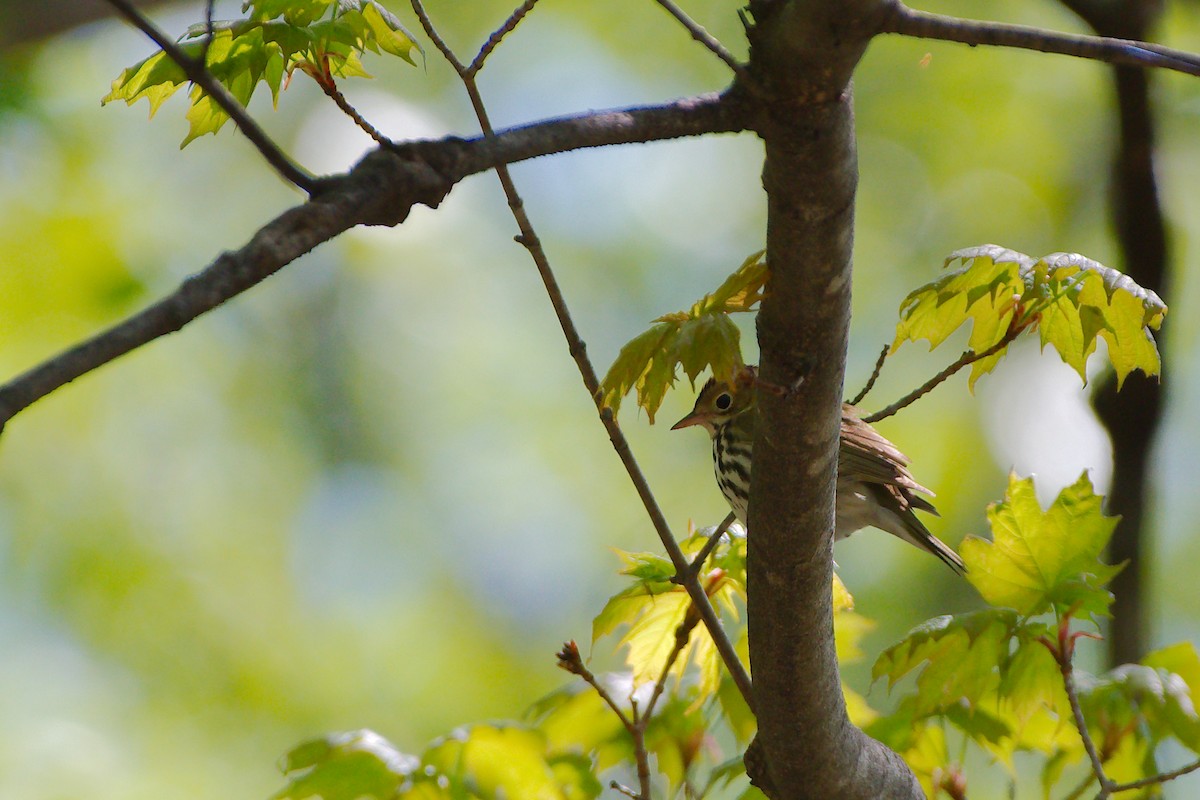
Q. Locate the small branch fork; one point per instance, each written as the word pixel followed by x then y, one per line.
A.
pixel 198 74
pixel 637 721
pixel 578 350
pixel 1062 649
pixel 693 571
pixel 968 357
pixel 883 354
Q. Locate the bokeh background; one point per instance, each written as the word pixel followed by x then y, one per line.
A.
pixel 372 491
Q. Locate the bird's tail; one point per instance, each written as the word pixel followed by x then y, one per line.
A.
pixel 919 535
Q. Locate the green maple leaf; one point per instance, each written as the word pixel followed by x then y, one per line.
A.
pixel 958 658
pixel 507 760
pixel 345 766
pixel 324 38
pixel 702 337
pixel 1072 300
pixel 1042 560
pixel 1155 702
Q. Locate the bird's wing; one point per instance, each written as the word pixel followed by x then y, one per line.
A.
pixel 870 458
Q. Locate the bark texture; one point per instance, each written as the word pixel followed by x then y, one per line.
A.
pixel 803 54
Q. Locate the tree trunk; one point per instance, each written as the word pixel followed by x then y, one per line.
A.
pixel 803 56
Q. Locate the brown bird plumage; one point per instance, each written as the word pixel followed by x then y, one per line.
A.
pixel 874 486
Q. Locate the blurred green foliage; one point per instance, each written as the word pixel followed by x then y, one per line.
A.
pixel 372 492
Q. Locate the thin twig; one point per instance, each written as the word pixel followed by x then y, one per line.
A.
pixel 683 634
pixel 705 38
pixel 438 41
pixel 1161 777
pixel 713 540
pixel 924 25
pixel 1063 652
pixel 623 789
pixel 1068 676
pixel 968 357
pixel 578 351
pixel 858 398
pixel 509 25
pixel 198 74
pixel 641 756
pixel 333 93
pixel 570 660
pixel 636 721
pixel 208 29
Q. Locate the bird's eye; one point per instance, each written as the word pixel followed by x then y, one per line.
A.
pixel 723 402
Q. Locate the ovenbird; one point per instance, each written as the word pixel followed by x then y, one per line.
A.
pixel 874 486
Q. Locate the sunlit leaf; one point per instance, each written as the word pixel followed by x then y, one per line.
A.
pixel 345 766
pixel 959 657
pixel 676 736
pixel 1071 299
pixel 492 761
pixel 1148 702
pixel 1032 681
pixel 702 337
pixel 1043 559
pixel 740 718
pixel 322 39
pixel 575 719
pixel 1182 660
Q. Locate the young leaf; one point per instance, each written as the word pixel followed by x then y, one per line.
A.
pixel 1041 560
pixel 959 658
pixel 345 766
pixel 1071 299
pixel 1153 703
pixel 267 47
pixel 1181 659
pixel 575 719
pixel 701 337
pixel 506 761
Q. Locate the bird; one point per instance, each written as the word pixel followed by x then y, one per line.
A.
pixel 874 486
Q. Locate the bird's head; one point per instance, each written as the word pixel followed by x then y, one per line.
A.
pixel 719 402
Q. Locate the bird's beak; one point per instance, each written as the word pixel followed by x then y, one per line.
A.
pixel 688 421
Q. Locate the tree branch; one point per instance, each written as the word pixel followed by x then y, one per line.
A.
pixel 198 74
pixel 1161 777
pixel 968 357
pixel 807 746
pixel 493 41
pixel 380 190
pixel 1128 52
